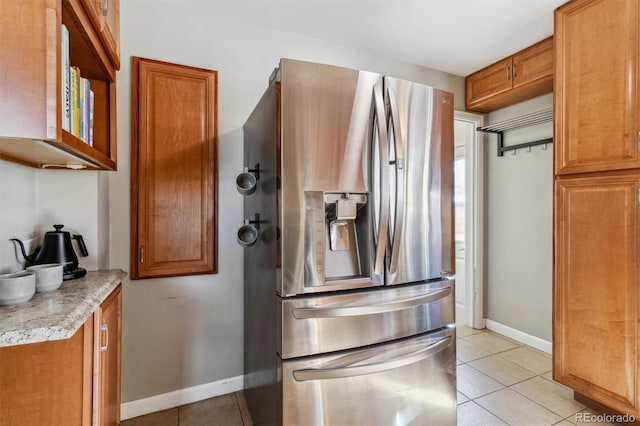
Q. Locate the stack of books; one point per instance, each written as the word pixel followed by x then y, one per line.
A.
pixel 77 97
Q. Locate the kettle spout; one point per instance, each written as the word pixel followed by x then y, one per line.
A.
pixel 28 258
pixel 83 247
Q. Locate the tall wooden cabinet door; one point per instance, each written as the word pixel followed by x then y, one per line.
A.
pixel 596 86
pixel 596 288
pixel 108 328
pixel 533 63
pixel 489 81
pixel 173 170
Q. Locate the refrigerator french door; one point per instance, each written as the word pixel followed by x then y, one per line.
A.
pixel 348 271
pixel 365 197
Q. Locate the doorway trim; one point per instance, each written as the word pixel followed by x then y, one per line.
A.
pixel 474 222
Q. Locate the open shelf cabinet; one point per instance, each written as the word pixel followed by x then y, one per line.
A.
pixel 31 108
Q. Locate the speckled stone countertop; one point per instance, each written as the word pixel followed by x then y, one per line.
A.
pixel 58 314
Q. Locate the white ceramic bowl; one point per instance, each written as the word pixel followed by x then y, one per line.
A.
pixel 17 287
pixel 48 276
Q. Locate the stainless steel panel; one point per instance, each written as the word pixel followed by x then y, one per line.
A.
pixel 326 125
pixel 407 382
pixel 421 246
pixel 318 324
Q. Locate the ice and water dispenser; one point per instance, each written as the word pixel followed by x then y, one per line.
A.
pixel 337 236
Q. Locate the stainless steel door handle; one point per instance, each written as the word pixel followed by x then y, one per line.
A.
pixel 105 328
pixel 400 180
pixel 104 7
pixel 374 367
pixel 348 311
pixel 383 221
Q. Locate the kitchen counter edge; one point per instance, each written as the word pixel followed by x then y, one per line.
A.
pixel 59 314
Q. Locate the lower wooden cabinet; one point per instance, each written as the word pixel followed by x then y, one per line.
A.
pixel 106 384
pixel 69 382
pixel 595 342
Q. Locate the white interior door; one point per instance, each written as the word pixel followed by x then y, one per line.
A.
pixel 468 203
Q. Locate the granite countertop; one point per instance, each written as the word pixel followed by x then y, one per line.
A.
pixel 59 314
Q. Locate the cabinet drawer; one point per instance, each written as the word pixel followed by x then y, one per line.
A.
pixel 312 325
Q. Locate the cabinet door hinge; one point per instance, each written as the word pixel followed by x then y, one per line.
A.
pixel 104 7
pixel 639 197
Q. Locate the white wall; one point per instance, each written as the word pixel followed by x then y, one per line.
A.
pixel 34 200
pixel 181 332
pixel 18 211
pixel 519 191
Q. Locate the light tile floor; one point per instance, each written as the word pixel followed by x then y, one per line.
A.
pixel 503 382
pixel 500 382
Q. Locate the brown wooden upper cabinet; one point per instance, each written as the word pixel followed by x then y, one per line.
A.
pixel 527 74
pixel 105 15
pixel 173 170
pixel 31 82
pixel 596 99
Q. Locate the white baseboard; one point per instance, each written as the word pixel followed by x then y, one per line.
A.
pixel 520 336
pixel 164 401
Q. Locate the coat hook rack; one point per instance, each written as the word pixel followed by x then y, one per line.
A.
pixel 519 122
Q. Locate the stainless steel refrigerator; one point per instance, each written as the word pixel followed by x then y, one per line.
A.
pixel 349 255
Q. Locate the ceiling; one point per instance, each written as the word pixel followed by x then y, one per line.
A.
pixel 455 36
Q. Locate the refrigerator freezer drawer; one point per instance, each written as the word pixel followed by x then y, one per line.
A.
pixel 407 382
pixel 320 324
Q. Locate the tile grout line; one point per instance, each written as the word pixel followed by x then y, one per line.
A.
pixel 510 362
pixel 498 353
pixel 562 418
pixel 524 396
pixel 547 408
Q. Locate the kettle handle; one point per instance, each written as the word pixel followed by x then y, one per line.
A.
pixel 81 244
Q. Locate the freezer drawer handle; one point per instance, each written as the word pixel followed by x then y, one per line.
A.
pixel 374 367
pixel 349 311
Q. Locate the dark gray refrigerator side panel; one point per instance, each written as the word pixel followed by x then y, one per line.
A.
pixel 421 220
pixel 260 317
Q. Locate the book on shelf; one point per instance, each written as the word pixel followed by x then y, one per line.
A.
pixel 91 106
pixel 81 106
pixel 74 73
pixel 85 112
pixel 66 79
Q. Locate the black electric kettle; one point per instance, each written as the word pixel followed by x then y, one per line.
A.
pixel 57 248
